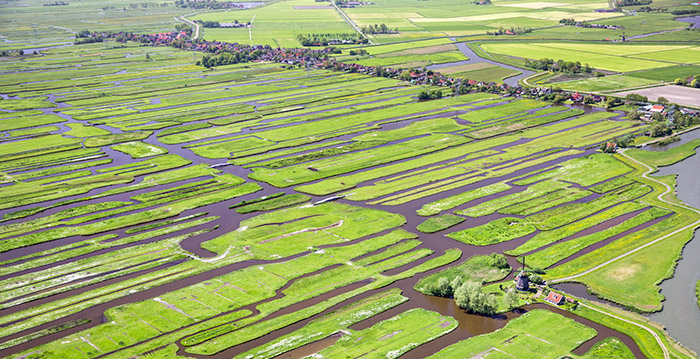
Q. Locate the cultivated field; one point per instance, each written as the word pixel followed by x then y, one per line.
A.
pixel 686 96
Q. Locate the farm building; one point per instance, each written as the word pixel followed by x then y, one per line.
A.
pixel 555 298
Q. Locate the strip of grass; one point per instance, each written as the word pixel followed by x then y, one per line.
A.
pixel 511 108
pixel 668 157
pixel 614 183
pixel 328 152
pixel 546 201
pixel 349 181
pixel 307 172
pixel 496 231
pixel 546 237
pixel 529 194
pixel 553 254
pixel 26 104
pixel 393 337
pixel 520 123
pixel 568 213
pixel 585 171
pixel 328 324
pixel 444 204
pixel 107 140
pixel 140 149
pixel 439 223
pixel 274 203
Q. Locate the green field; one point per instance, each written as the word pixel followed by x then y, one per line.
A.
pixel 153 207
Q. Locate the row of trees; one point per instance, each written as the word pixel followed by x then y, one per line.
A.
pixel 512 31
pixel 86 37
pixel 558 66
pixel 56 3
pixel 207 4
pixel 330 39
pixel 633 2
pixel 379 29
pixel 690 81
pixel 685 12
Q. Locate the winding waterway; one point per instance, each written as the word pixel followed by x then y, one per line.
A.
pixel 474 58
pixel 680 314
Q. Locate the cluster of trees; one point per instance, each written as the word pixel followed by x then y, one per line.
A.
pixel 215 24
pixel 86 37
pixel 209 24
pixel 690 81
pixel 207 4
pixel 468 295
pixel 5 53
pixel 379 29
pixel 228 58
pixel 633 2
pixel 56 3
pixel 184 27
pixel 634 98
pixel 144 5
pixel 512 31
pixel 558 66
pixel 358 52
pixel 430 94
pixel 330 39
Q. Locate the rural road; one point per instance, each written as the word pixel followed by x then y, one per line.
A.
pixel 349 21
pixel 191 23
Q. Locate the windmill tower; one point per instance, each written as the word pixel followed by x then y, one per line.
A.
pixel 522 282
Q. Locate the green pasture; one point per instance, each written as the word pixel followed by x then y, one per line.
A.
pixel 537 333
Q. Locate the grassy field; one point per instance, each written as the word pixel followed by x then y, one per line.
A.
pixel 535 333
pixel 140 187
pixel 668 157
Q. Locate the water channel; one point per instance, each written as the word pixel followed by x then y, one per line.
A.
pixel 680 313
pixel 474 58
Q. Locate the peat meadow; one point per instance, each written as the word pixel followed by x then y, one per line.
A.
pixel 349 179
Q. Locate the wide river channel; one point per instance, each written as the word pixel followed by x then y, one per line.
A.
pixel 681 314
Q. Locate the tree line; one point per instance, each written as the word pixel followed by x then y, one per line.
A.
pixel 379 29
pixel 330 39
pixel 558 66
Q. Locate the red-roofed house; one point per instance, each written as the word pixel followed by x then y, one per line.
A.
pixel 554 298
pixel 657 108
